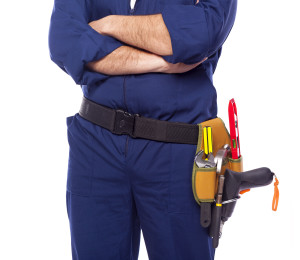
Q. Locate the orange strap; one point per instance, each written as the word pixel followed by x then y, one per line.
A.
pixel 276 195
pixel 244 191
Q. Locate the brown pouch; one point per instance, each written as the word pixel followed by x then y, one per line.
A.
pixel 204 180
pixel 235 164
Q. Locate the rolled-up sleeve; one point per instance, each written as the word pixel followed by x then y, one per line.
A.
pixel 198 31
pixel 73 43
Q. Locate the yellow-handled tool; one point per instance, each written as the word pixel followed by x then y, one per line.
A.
pixel 207 137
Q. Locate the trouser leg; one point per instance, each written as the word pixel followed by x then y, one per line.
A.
pixel 101 210
pixel 169 215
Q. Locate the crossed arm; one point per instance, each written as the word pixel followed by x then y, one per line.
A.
pixel 147 32
pixel 175 40
pixel 182 34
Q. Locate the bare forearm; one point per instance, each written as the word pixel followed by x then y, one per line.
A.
pixel 127 60
pixel 148 32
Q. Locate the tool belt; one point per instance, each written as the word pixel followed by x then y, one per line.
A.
pixel 204 179
pixel 215 182
pixel 121 122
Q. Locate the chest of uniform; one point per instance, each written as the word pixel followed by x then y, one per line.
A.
pixel 102 8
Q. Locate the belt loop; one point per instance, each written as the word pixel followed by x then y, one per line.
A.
pixel 134 124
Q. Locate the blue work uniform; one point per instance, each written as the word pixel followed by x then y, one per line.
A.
pixel 118 185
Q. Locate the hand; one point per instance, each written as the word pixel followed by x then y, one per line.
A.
pixel 179 67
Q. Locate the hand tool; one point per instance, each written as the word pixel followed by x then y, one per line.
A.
pixel 209 138
pixel 205 217
pixel 202 163
pixel 211 157
pixel 207 141
pixel 220 156
pixel 237 181
pixel 234 130
pixel 217 213
pixel 217 209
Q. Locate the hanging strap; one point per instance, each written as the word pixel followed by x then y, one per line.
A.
pixel 276 195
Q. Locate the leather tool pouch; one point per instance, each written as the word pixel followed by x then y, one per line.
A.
pixel 204 180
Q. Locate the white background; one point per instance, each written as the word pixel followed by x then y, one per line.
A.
pixel 259 67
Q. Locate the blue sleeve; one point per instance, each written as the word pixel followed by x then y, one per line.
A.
pixel 198 31
pixel 73 43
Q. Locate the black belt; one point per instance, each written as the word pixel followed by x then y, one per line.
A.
pixel 121 122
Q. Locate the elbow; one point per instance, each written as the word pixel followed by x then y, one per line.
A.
pixel 92 66
pixel 165 49
pixel 54 57
pixel 53 47
pixel 60 57
pixel 219 28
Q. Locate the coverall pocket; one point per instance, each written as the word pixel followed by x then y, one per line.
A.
pixel 181 198
pixel 80 162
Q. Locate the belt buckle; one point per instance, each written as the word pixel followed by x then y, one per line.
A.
pixel 124 122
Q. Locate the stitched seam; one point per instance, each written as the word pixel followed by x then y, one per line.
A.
pixel 209 42
pixel 91 175
pixel 77 194
pixel 124 93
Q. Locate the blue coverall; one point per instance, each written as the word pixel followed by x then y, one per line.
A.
pixel 118 185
